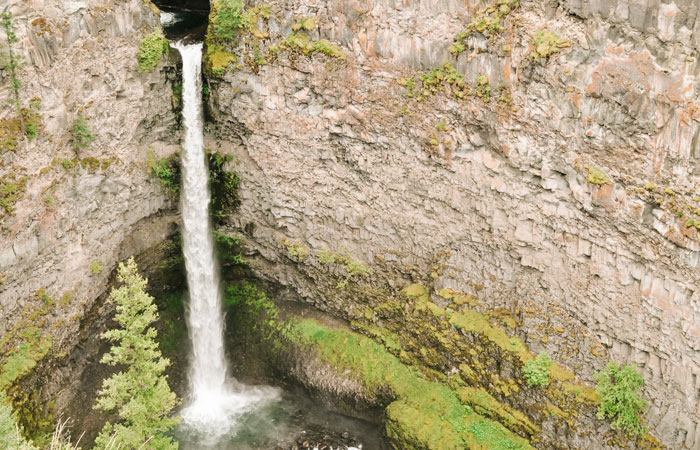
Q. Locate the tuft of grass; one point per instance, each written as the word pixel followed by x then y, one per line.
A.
pixel 218 59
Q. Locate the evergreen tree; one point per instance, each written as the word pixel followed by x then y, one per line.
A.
pixel 139 392
pixel 10 433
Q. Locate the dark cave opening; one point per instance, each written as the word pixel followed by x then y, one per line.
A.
pixel 201 6
pixel 184 20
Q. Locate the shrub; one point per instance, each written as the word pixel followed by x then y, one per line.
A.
pixel 229 18
pixel 82 136
pixel 618 389
pixel 151 48
pixel 167 170
pixel 536 372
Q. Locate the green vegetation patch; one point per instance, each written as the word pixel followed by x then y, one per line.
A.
pixel 11 190
pixel 425 414
pixel 445 79
pixel 152 47
pixel 536 372
pixel 218 59
pixel 11 129
pixel 472 321
pixel 32 347
pixel 596 176
pixel 166 169
pixel 488 21
pixel 301 42
pixel 223 185
pixel 353 267
pixel 618 389
pixel 96 267
pixel 228 19
pixel 295 249
pixel 546 43
pixel 82 136
pixel 228 250
pixel 10 433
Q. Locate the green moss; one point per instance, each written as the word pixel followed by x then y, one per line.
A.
pixel 536 372
pixel 471 321
pixel 32 347
pixel 151 49
pixel 218 60
pixel 596 176
pixel 307 23
pixel 486 405
pixel 301 42
pixel 353 267
pixel 546 43
pixel 425 414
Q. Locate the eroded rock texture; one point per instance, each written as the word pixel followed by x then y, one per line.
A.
pixel 566 193
pixel 76 212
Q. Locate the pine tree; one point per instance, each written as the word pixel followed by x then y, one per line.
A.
pixel 139 392
pixel 10 433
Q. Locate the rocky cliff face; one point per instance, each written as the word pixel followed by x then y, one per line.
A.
pixel 70 214
pixel 549 171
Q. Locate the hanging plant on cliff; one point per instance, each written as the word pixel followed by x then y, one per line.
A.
pixel 139 393
pixel 151 49
pixel 618 389
pixel 229 18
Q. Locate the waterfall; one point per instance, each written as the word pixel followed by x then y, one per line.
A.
pixel 215 401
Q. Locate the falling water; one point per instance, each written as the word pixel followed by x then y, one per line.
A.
pixel 215 401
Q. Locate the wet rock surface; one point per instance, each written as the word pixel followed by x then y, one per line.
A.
pixel 567 198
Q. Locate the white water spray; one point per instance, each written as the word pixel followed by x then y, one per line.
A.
pixel 215 400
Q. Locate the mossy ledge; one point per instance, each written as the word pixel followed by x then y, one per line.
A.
pixel 418 413
pixel 454 339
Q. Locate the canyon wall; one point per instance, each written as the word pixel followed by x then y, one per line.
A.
pixel 565 194
pixel 69 214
